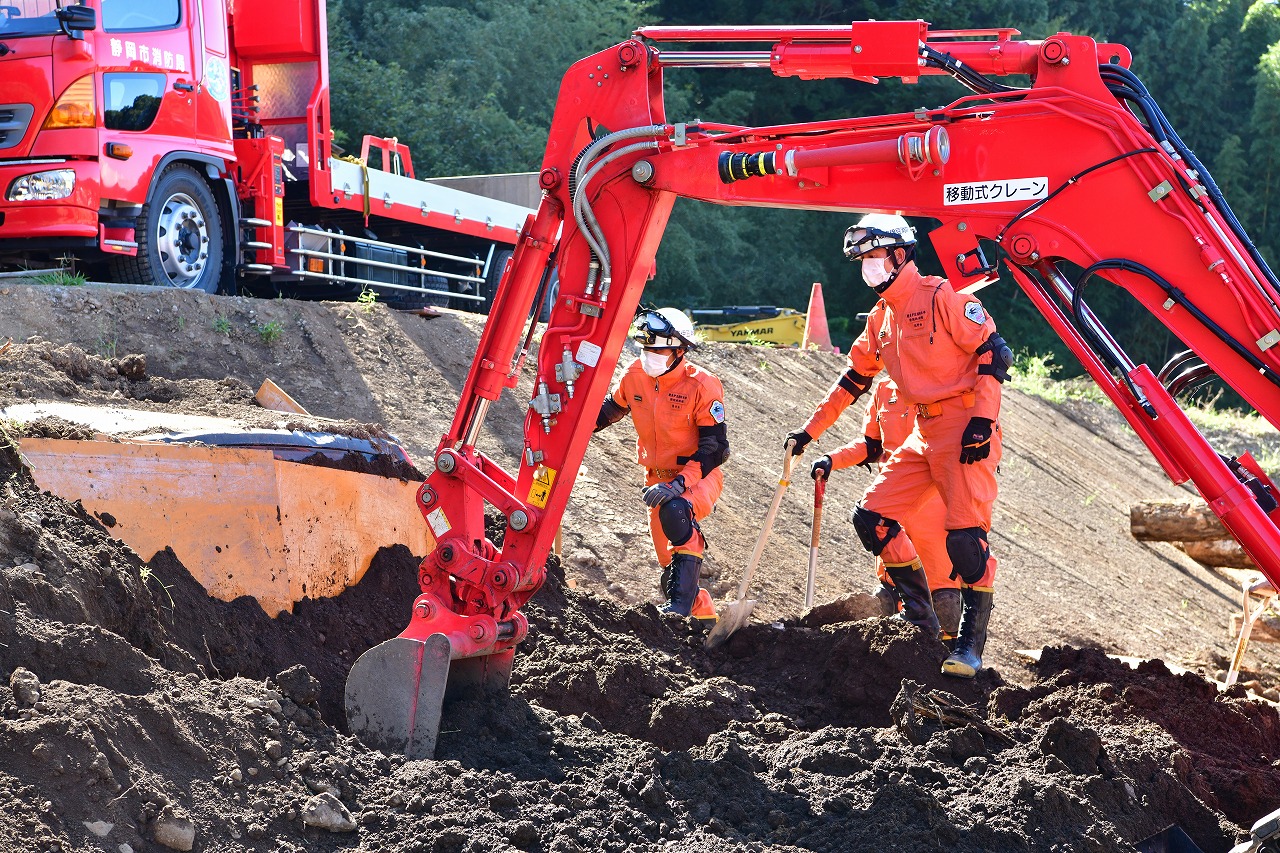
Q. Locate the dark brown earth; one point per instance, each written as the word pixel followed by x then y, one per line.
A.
pixel 142 715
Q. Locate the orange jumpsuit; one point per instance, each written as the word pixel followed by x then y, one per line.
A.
pixel 926 335
pixel 891 420
pixel 667 412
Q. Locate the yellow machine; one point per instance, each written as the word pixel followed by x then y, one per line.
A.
pixel 276 514
pixel 751 324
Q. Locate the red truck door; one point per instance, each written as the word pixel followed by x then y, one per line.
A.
pixel 213 95
pixel 150 79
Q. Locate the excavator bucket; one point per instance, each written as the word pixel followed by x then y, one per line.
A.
pixel 395 695
pixel 396 691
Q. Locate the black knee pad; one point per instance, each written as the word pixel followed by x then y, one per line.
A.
pixel 676 518
pixel 969 552
pixel 865 523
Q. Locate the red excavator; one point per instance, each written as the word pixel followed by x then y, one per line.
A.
pixel 1069 169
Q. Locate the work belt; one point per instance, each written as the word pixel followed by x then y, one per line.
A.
pixel 664 473
pixel 932 410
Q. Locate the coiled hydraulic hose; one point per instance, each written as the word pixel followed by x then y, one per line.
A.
pixel 1124 84
pixel 583 214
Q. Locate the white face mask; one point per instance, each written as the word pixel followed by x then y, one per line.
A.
pixel 874 271
pixel 654 363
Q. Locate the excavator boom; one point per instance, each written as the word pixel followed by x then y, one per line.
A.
pixel 1069 165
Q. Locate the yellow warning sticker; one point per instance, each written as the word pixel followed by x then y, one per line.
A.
pixel 540 491
pixel 279 211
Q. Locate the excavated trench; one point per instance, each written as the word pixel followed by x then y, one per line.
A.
pixel 141 712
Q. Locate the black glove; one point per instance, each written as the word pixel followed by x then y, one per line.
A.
pixel 659 493
pixel 821 468
pixel 801 438
pixel 975 444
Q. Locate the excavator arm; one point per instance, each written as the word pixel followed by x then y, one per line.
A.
pixel 1074 169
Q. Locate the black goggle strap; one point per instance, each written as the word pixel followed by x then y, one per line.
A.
pixel 871 238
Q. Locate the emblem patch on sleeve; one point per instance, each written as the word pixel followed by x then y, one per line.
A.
pixel 717 412
pixel 974 312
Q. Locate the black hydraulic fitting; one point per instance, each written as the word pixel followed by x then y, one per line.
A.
pixel 738 167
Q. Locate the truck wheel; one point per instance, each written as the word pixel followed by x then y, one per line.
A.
pixel 553 293
pixel 179 236
pixel 493 279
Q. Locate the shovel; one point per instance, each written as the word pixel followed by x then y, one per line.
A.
pixel 736 613
pixel 819 491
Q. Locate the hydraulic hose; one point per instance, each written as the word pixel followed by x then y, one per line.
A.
pixel 586 218
pixel 1131 84
pixel 1126 265
pixel 584 214
pixel 967 76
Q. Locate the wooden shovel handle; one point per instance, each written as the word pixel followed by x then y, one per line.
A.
pixel 758 550
pixel 819 492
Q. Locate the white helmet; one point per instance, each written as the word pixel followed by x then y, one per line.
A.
pixel 877 231
pixel 664 328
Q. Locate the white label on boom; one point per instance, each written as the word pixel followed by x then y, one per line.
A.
pixel 988 192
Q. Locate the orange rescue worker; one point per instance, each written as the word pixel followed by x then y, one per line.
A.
pixel 888 424
pixel 681 440
pixel 942 351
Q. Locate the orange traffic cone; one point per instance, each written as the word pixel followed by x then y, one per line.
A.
pixel 816 333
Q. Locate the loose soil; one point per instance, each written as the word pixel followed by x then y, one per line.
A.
pixel 142 715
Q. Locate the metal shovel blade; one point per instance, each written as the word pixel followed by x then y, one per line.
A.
pixel 395 695
pixel 733 617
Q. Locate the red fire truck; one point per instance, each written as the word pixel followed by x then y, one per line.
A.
pixel 187 143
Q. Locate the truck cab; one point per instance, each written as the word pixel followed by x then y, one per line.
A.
pixel 187 143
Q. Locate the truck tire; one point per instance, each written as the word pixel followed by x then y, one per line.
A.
pixel 408 300
pixel 179 236
pixel 553 293
pixel 492 280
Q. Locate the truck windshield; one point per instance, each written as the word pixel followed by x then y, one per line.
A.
pixel 131 16
pixel 29 17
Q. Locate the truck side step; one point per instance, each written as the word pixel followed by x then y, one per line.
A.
pixel 264 268
pixel 256 244
pixel 255 223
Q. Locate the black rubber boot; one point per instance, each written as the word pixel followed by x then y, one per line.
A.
pixel 947 603
pixel 682 586
pixel 913 589
pixel 966 660
pixel 887 595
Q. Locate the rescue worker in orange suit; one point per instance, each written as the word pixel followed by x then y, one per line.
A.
pixel 943 352
pixel 888 424
pixel 678 412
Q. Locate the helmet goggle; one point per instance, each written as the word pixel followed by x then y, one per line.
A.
pixel 858 240
pixel 653 331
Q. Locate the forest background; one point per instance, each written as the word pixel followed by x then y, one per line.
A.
pixel 471 85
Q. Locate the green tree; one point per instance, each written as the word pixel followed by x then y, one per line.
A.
pixel 1264 152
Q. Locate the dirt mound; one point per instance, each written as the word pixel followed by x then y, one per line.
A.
pixel 140 712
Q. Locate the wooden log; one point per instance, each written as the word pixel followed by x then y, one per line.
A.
pixel 1265 630
pixel 1157 521
pixel 1218 552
